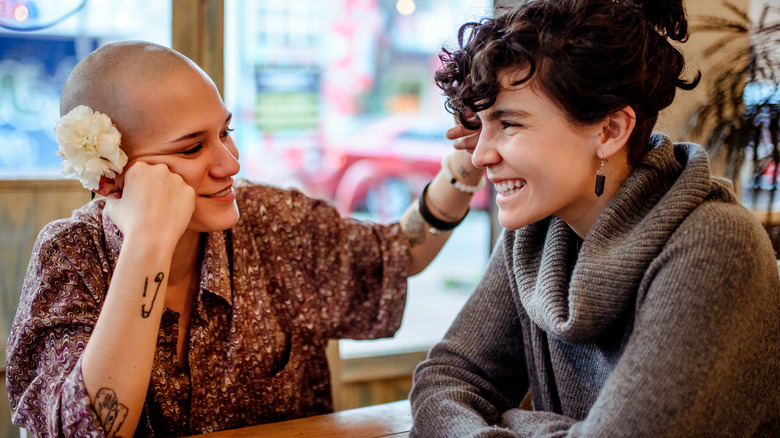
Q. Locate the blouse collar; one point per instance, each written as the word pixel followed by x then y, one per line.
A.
pixel 215 268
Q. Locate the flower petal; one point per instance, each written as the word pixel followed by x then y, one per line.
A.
pixel 89 145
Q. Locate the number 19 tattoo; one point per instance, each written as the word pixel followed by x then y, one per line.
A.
pixel 157 279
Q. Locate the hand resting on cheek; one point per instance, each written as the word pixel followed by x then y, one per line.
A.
pixel 150 198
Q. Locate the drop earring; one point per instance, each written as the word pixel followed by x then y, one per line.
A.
pixel 600 180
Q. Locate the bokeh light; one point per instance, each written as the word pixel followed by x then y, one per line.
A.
pixel 405 7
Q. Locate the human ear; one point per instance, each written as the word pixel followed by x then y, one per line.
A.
pixel 107 187
pixel 616 131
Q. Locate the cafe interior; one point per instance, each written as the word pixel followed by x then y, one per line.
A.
pixel 335 99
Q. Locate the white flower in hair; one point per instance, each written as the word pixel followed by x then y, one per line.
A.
pixel 89 145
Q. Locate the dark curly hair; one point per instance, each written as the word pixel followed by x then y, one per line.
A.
pixel 591 57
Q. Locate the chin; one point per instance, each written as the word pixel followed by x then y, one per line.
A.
pixel 510 222
pixel 228 223
pixel 216 222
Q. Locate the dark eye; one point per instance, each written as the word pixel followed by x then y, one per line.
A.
pixel 226 132
pixel 193 150
pixel 506 124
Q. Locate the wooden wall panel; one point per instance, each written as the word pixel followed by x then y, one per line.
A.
pixel 198 32
pixel 25 207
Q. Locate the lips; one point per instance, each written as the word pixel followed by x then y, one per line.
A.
pixel 225 192
pixel 509 187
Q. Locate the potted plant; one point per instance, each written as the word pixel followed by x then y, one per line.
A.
pixel 740 114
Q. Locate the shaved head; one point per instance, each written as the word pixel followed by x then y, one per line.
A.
pixel 111 78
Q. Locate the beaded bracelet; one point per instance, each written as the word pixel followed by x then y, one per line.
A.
pixel 445 166
pixel 436 225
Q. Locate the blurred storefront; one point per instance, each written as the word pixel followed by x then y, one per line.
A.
pixel 337 99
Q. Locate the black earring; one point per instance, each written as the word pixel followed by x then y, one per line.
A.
pixel 600 180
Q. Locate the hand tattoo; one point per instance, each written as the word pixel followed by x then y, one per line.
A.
pixel 112 414
pixel 464 172
pixel 157 279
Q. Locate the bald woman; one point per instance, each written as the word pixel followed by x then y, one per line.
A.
pixel 186 301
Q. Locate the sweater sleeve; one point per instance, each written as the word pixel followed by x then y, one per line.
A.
pixel 477 372
pixel 55 317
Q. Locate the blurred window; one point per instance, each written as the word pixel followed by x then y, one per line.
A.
pixel 40 42
pixel 337 99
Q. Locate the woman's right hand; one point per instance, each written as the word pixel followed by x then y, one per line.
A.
pixel 153 202
pixel 463 138
pixel 152 206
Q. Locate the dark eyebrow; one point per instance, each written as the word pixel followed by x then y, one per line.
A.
pixel 501 113
pixel 197 134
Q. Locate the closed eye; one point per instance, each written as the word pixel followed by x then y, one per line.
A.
pixel 193 150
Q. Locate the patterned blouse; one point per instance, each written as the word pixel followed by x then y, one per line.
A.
pixel 289 276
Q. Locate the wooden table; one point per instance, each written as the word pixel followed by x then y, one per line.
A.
pixel 388 420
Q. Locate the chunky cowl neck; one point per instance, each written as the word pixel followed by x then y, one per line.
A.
pixel 579 305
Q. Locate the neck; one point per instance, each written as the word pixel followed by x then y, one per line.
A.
pixel 582 221
pixel 186 257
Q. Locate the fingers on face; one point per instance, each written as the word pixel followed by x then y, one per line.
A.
pixel 467 143
pixel 459 131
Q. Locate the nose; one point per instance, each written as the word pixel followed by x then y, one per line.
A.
pixel 485 154
pixel 225 162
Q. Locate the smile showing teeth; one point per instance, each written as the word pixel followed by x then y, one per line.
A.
pixel 222 193
pixel 508 187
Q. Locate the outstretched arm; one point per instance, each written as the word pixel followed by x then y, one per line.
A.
pixel 444 200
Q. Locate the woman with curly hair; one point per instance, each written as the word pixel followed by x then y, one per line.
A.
pixel 630 294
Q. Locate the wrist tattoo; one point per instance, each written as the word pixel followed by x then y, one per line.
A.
pixel 111 413
pixel 464 173
pixel 415 229
pixel 157 279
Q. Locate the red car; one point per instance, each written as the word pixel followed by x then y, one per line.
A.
pixel 380 168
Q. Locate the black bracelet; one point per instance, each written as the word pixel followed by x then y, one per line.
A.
pixel 437 225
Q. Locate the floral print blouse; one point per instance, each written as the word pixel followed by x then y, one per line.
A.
pixel 289 276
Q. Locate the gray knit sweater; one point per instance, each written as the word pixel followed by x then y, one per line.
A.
pixel 667 322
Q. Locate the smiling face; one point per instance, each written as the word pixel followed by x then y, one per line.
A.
pixel 182 122
pixel 539 162
pixel 168 112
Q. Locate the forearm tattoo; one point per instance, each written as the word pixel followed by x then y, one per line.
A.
pixel 415 229
pixel 111 413
pixel 157 279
